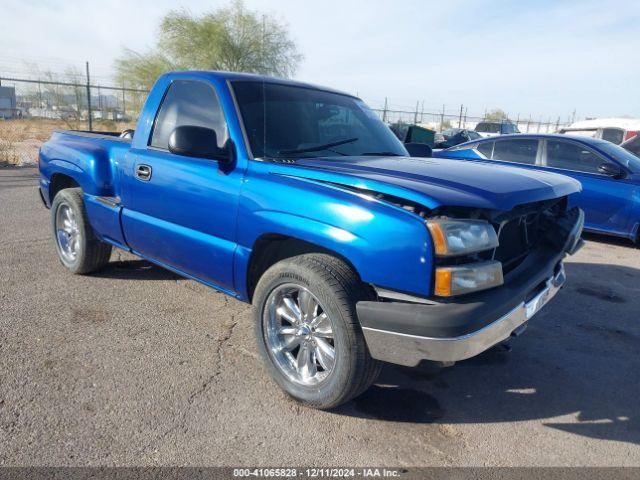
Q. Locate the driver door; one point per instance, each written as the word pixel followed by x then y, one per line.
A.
pixel 181 211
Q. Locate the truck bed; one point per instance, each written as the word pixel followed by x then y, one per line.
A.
pixel 93 134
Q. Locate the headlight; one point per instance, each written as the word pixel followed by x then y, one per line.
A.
pixel 467 278
pixel 461 237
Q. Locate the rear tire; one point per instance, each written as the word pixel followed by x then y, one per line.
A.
pixel 76 243
pixel 308 331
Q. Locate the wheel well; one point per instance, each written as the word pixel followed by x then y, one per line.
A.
pixel 272 248
pixel 60 181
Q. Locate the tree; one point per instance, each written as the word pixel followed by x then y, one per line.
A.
pixel 496 115
pixel 231 38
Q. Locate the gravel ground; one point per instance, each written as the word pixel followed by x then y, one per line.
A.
pixel 136 366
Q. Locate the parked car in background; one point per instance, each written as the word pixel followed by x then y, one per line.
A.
pixel 614 130
pixel 491 129
pixel 610 175
pixel 300 200
pixel 455 136
pixel 633 145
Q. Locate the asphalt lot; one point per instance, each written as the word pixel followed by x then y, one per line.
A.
pixel 135 366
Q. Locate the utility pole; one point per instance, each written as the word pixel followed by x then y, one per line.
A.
pixel 124 104
pixel 460 118
pixel 384 112
pixel 262 46
pixel 415 116
pixel 442 118
pixel 89 99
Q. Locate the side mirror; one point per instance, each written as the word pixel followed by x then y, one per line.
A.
pixel 199 142
pixel 611 170
pixel 418 149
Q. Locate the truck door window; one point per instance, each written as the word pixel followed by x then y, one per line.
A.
pixel 572 156
pixel 191 103
pixel 520 151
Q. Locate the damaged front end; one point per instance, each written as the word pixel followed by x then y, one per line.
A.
pixel 470 316
pixel 546 225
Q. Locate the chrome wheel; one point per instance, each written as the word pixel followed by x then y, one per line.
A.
pixel 299 335
pixel 67 232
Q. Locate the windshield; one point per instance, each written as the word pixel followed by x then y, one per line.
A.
pixel 286 121
pixel 625 157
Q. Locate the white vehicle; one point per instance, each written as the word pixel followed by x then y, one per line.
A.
pixel 614 130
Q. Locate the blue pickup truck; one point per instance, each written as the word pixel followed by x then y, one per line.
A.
pixel 301 201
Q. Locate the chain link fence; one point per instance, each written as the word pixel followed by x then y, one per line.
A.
pixel 79 104
pixel 72 100
pixel 443 120
pixel 31 109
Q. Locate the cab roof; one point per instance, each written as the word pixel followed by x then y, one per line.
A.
pixel 250 77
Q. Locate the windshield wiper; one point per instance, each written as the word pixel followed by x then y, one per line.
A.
pixel 317 148
pixel 381 154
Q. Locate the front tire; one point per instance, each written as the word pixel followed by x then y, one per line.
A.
pixel 308 331
pixel 77 245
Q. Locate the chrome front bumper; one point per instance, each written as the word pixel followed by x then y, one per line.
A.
pixel 409 350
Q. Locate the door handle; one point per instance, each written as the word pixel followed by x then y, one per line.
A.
pixel 143 172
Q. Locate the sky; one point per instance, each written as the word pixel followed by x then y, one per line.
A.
pixel 539 59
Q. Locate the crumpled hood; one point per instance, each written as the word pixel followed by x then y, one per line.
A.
pixel 435 182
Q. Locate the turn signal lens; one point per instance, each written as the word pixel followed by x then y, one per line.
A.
pixel 443 282
pixel 468 278
pixel 461 237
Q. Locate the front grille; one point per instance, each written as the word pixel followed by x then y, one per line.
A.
pixel 520 232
